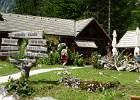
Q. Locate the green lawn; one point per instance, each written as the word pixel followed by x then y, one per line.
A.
pixel 128 87
pixel 7 68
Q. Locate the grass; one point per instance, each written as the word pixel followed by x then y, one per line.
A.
pixel 48 85
pixel 7 68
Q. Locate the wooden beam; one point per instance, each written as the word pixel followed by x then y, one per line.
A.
pixel 36 48
pixel 23 60
pixel 9 41
pixel 26 34
pixel 9 48
pixel 12 53
pixel 35 54
pixel 37 42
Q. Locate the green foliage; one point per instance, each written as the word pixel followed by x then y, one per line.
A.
pixel 121 15
pixel 22 48
pixel 53 58
pixel 52 40
pixel 21 87
pixel 42 61
pixel 135 20
pixel 95 60
pixel 56 57
pixel 78 59
pixel 31 7
pixel 71 57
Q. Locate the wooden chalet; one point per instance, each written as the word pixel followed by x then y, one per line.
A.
pixel 128 42
pixel 82 35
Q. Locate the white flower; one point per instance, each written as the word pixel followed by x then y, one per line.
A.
pixel 39 65
pixel 59 73
pixel 101 73
pixel 88 89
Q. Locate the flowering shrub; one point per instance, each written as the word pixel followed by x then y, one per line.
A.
pixel 88 85
pixel 71 82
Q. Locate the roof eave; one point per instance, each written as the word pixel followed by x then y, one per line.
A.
pixel 83 27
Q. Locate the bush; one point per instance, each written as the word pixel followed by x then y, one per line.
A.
pixel 78 59
pixel 21 87
pixel 95 60
pixel 44 61
pixel 53 58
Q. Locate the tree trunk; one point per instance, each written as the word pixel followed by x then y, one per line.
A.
pixel 109 12
pixel 26 72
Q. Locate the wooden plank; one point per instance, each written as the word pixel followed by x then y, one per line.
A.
pixel 135 97
pixel 9 41
pixel 11 53
pixel 26 34
pixel 37 42
pixel 35 54
pixel 36 48
pixel 9 48
pixel 22 60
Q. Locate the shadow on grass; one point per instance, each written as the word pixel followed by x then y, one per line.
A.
pixel 45 82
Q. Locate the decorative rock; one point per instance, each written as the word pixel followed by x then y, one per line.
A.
pixel 71 82
pixel 2 92
pixel 88 85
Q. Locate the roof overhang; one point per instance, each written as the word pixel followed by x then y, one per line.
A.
pixel 95 24
pixel 87 44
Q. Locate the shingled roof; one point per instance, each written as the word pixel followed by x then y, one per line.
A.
pixel 81 24
pixel 4 26
pixel 54 26
pixel 128 40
